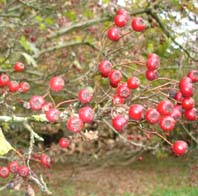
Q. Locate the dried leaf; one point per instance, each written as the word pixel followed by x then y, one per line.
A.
pixel 5 146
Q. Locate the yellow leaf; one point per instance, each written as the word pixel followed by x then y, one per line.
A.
pixel 5 146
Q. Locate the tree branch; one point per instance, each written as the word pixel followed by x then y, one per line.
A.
pixel 168 34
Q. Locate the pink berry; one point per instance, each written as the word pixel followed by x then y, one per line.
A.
pixel 136 112
pixel 75 124
pixel 64 142
pixel 138 24
pixel 4 172
pixel 24 86
pixel 85 95
pixel 153 62
pixel 13 86
pixel 151 75
pixel 23 171
pixel 4 80
pixel 165 107
pixel 123 90
pixel 152 115
pixel 52 115
pixel 113 34
pixel 119 122
pixel 86 114
pixel 19 66
pixel 180 147
pixel 56 83
pixel 120 20
pixel 118 100
pixel 36 102
pixel 167 123
pixel 104 67
pixel 13 166
pixel 133 82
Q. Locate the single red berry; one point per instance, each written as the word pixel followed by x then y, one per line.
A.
pixel 153 62
pixel 113 34
pixel 23 171
pixel 24 86
pixel 19 66
pixel 136 112
pixel 105 67
pixel 167 123
pixel 180 147
pixel 64 142
pixel 187 90
pixel 45 160
pixel 4 80
pixel 191 114
pixel 75 124
pixel 123 90
pixel 118 100
pixel 27 31
pixel 56 83
pixel 165 107
pixel 178 96
pixel 119 122
pixel 152 115
pixel 140 158
pixel 138 24
pixel 33 38
pixel 4 172
pixel 133 82
pixel 85 95
pixel 36 102
pixel 184 81
pixel 52 114
pixel 86 114
pixel 176 113
pixel 151 75
pixel 115 76
pixel 13 86
pixel 120 20
pixel 122 12
pixel 13 167
pixel 188 103
pixel 193 75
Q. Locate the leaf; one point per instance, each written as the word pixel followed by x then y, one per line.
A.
pixel 5 146
pixel 30 60
pixel 24 43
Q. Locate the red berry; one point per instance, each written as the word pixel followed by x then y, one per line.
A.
pixel 86 114
pixel 176 113
pixel 52 115
pixel 123 90
pixel 4 172
pixel 193 75
pixel 36 102
pixel 187 90
pixel 23 171
pixel 184 81
pixel 4 80
pixel 24 86
pixel 19 66
pixel 104 67
pixel 13 167
pixel 188 103
pixel 165 107
pixel 64 142
pixel 136 112
pixel 118 100
pixel 151 75
pixel 120 20
pixel 113 34
pixel 191 114
pixel 85 95
pixel 180 147
pixel 153 62
pixel 133 82
pixel 33 38
pixel 115 76
pixel 119 122
pixel 13 86
pixel 75 124
pixel 56 83
pixel 152 115
pixel 45 160
pixel 167 123
pixel 178 96
pixel 122 12
pixel 138 24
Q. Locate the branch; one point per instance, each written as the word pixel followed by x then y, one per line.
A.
pixel 168 34
pixel 65 45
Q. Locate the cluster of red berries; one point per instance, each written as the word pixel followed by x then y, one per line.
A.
pixel 28 34
pixel 13 85
pixel 152 64
pixel 120 20
pixel 14 168
pixel 185 95
pixel 85 114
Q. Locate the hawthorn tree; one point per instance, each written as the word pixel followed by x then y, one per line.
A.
pixel 92 70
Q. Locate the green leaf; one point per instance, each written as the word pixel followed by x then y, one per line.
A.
pixel 39 19
pixel 71 15
pixel 5 146
pixel 49 21
pixel 30 60
pixel 24 43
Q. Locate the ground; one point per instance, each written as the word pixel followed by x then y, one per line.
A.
pixel 170 176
